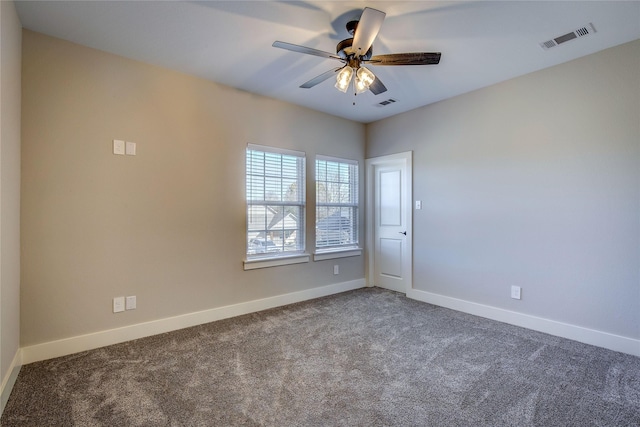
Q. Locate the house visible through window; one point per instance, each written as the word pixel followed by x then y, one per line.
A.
pixel 336 203
pixel 275 201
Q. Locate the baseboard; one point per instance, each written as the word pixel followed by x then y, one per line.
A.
pixel 80 343
pixel 552 327
pixel 10 379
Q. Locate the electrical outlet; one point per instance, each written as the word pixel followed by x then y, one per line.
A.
pixel 336 269
pixel 130 303
pixel 516 292
pixel 130 148
pixel 118 304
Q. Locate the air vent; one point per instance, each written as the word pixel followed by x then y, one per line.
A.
pixel 580 32
pixel 387 102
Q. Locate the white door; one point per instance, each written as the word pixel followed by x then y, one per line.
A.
pixel 389 222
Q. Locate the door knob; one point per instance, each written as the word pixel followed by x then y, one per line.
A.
pixel 403 232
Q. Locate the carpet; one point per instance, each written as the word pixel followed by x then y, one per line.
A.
pixel 368 357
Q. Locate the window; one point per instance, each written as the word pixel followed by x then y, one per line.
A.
pixel 336 203
pixel 275 202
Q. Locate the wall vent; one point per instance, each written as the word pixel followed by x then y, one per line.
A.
pixel 580 32
pixel 387 102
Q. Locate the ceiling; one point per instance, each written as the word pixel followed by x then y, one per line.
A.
pixel 229 42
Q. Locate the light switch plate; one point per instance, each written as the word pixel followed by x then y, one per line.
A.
pixel 118 304
pixel 118 146
pixel 418 204
pixel 130 148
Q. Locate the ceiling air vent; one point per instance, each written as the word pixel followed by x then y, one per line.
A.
pixel 580 32
pixel 387 102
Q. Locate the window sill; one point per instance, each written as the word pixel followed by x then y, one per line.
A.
pixel 336 253
pixel 254 263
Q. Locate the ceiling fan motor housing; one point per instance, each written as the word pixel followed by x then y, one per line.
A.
pixel 343 49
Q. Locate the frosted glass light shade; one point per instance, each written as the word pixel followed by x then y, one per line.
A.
pixel 365 76
pixel 344 78
pixel 360 85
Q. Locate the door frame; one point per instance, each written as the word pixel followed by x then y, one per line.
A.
pixel 406 159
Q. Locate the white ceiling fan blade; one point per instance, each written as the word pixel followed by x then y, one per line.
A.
pixel 367 30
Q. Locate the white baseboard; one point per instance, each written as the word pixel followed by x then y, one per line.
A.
pixel 552 327
pixel 10 379
pixel 63 347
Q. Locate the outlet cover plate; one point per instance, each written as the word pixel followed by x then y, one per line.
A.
pixel 130 303
pixel 130 148
pixel 516 292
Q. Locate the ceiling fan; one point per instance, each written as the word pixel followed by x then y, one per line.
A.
pixel 356 51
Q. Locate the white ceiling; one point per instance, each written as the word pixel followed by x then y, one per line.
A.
pixel 229 42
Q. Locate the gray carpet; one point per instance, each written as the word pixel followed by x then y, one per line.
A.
pixel 364 358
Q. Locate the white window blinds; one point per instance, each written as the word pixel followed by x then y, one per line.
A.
pixel 336 203
pixel 275 201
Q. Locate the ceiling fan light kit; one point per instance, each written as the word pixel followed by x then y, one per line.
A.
pixel 363 79
pixel 354 52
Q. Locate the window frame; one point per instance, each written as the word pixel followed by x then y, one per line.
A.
pixel 351 248
pixel 283 256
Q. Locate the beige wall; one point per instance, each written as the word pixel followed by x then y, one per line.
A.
pixel 166 225
pixel 533 182
pixel 10 51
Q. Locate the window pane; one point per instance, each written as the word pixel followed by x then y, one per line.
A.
pixel 273 189
pixel 321 170
pixel 255 188
pixel 274 229
pixel 290 188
